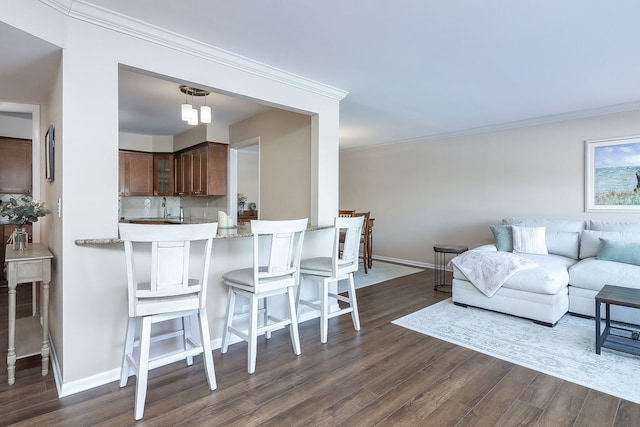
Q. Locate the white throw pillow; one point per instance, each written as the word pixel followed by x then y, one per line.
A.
pixel 529 240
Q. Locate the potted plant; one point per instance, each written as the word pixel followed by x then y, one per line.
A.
pixel 21 211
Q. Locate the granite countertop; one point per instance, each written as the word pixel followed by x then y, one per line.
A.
pixel 241 230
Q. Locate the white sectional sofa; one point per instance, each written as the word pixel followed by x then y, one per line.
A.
pixel 566 279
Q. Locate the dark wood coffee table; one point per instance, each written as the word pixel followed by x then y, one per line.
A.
pixel 617 337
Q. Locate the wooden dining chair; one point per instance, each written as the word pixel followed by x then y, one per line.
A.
pixel 365 240
pixel 345 213
pixel 167 275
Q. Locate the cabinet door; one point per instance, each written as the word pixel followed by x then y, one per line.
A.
pixel 163 175
pixel 15 166
pixel 121 166
pixel 199 171
pixel 138 174
pixel 217 169
pixel 183 173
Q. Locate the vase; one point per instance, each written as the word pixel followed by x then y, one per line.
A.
pixel 20 239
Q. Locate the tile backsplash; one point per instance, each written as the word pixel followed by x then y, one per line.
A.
pixel 151 207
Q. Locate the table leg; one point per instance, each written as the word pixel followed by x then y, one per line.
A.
pixel 44 300
pixel 34 298
pixel 11 351
pixel 439 260
pixel 370 258
pixel 436 277
pixel 597 327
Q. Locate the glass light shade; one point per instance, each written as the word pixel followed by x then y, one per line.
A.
pixel 193 117
pixel 205 114
pixel 186 111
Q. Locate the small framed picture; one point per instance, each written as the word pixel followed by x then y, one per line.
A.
pixel 612 175
pixel 49 153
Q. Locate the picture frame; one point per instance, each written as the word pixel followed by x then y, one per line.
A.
pixel 49 153
pixel 612 175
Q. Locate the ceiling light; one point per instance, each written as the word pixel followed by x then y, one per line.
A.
pixel 190 114
pixel 205 112
pixel 193 117
pixel 186 108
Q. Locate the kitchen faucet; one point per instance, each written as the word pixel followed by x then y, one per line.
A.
pixel 164 208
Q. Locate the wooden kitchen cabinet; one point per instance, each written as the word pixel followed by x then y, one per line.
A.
pixel 199 171
pixel 136 173
pixel 163 174
pixel 202 170
pixel 15 166
pixel 183 173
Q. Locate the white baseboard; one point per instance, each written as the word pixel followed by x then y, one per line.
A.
pixel 404 261
pixel 84 384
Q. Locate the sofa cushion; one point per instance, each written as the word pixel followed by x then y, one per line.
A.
pixel 592 273
pixel 503 236
pixel 614 226
pixel 549 277
pixel 529 240
pixel 565 243
pixel 551 224
pixel 590 240
pixel 611 250
pixel 560 235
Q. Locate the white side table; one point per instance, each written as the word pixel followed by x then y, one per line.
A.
pixel 28 266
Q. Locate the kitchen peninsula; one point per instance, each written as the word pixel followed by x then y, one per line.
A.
pixel 232 249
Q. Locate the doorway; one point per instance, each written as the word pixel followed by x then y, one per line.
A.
pixel 244 175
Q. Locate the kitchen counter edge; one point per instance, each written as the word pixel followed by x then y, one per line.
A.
pixel 223 233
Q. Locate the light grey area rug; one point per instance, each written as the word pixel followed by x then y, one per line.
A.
pixel 381 271
pixel 566 351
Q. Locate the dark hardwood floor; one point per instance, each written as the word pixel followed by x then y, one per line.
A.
pixel 383 375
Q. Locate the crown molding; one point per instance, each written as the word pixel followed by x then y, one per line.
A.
pixel 573 115
pixel 106 18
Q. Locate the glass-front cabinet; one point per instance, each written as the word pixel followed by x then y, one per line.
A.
pixel 163 174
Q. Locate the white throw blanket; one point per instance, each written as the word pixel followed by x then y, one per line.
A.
pixel 488 271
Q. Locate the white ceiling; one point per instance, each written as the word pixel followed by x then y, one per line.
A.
pixel 413 68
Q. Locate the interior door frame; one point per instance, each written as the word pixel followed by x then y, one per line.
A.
pixel 232 202
pixel 36 170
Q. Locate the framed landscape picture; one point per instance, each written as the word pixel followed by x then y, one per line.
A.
pixel 612 175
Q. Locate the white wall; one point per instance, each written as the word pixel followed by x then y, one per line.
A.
pixel 15 127
pixel 248 179
pixel 285 161
pixel 90 305
pixel 450 190
pixel 149 143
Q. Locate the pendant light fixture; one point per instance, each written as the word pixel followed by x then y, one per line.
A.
pixel 190 114
pixel 205 112
pixel 186 108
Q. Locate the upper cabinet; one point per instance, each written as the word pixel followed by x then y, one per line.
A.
pixel 15 166
pixel 136 173
pixel 183 173
pixel 163 174
pixel 202 170
pixel 196 171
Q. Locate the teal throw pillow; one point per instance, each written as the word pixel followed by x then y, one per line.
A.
pixel 504 237
pixel 612 250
